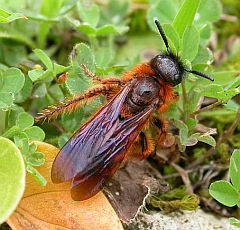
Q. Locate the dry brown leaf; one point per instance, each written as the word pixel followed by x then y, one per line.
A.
pixel 52 208
pixel 128 190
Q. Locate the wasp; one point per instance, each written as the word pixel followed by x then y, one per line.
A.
pixel 119 130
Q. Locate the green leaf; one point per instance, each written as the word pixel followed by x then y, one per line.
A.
pixel 204 55
pixel 87 29
pixel 56 91
pixel 35 74
pixel 190 43
pixel 185 16
pixel 13 115
pixel 24 120
pixel 11 132
pixel 107 30
pixel 72 121
pixel 22 142
pixel 44 58
pixel 12 178
pixel 183 131
pixel 12 80
pixel 3 67
pixel 32 148
pixel 15 16
pixel 234 169
pixel 233 84
pixel 35 133
pixel 40 91
pixel 224 192
pixel 36 159
pixel 82 54
pixel 195 95
pixel 58 69
pixel 6 100
pixel 4 13
pixel 235 222
pixel 205 33
pixel 40 17
pixel 36 175
pixel 191 123
pixel 217 91
pixel 209 11
pixel 18 37
pixel 90 14
pixel 14 54
pixel 77 81
pixel 119 8
pixel 62 140
pixel 223 77
pixel 191 141
pixel 44 28
pixel 172 35
pixel 51 8
pixel 68 6
pixel 121 29
pixel 6 17
pixel 205 138
pixel 232 105
pixel 25 91
pixel 104 56
pixel 158 10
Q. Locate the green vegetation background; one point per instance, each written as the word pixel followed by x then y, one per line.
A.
pixel 40 40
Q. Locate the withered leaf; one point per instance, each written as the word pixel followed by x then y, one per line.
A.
pixel 52 208
pixel 131 185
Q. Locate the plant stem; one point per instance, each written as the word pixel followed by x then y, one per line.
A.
pixel 185 177
pixel 3 120
pixel 185 102
pixel 111 43
pixel 94 42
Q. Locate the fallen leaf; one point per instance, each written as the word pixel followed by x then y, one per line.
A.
pixel 128 190
pixel 52 208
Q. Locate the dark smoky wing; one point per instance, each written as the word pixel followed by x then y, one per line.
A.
pixel 80 151
pixel 109 157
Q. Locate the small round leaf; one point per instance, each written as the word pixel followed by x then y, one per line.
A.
pixel 6 100
pixel 24 120
pixel 35 133
pixel 224 192
pixel 13 80
pixel 12 178
pixel 235 169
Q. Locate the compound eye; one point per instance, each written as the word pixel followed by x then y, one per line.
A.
pixel 177 79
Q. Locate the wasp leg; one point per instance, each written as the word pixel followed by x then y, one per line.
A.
pixel 162 128
pixel 70 105
pixel 148 145
pixel 142 147
pixel 102 81
pixel 90 74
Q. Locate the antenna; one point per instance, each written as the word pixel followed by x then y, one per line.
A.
pixel 160 29
pixel 200 74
